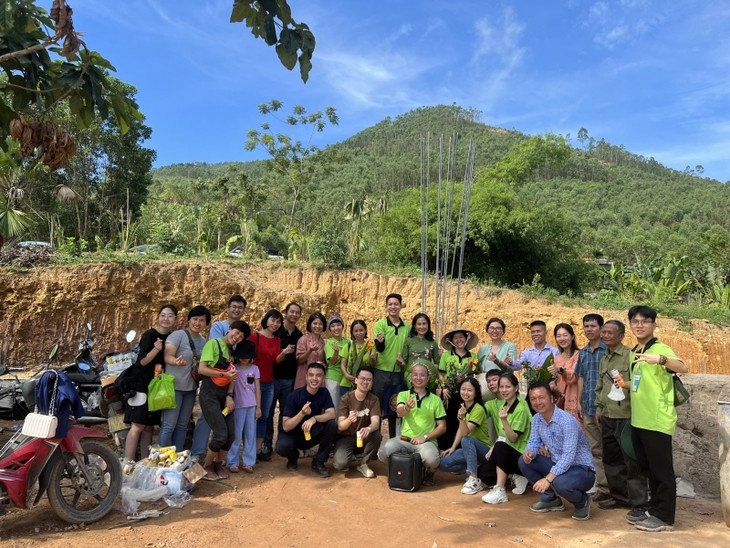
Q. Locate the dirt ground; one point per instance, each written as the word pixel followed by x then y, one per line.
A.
pixel 274 507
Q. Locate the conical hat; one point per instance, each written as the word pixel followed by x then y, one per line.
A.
pixel 472 339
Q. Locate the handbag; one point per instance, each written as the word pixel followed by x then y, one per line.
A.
pixel 161 393
pixel 38 425
pixel 681 395
pixel 197 377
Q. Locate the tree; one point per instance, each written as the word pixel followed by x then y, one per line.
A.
pixel 263 17
pixel 33 84
pixel 295 161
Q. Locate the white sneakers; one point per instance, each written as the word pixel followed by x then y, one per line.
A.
pixel 520 484
pixel 365 470
pixel 497 495
pixel 472 486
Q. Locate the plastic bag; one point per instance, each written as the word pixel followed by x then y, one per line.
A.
pixel 161 393
pixel 178 500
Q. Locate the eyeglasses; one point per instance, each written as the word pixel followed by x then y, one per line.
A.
pixel 641 322
pixel 365 380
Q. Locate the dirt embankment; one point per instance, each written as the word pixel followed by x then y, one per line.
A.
pixel 44 305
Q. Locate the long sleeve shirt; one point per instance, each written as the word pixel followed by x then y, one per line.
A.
pixel 564 439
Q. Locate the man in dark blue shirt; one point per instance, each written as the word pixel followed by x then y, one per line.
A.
pixel 308 420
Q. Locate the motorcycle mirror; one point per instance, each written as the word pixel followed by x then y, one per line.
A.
pixel 131 336
pixel 54 352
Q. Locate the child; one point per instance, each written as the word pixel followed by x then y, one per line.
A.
pixel 247 397
pixel 360 354
pixel 336 350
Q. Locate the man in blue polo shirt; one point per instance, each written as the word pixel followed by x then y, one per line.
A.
pixel 568 472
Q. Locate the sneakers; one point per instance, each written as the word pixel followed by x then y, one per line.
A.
pixel 636 515
pixel 291 465
pixel 428 477
pixel 247 469
pixel 233 469
pixel 472 486
pixel 653 524
pixel 582 513
pixel 555 505
pixel 365 470
pixel 265 454
pixel 611 504
pixel 211 474
pixel 521 484
pixel 320 469
pixel 600 496
pixel 497 495
pixel 218 467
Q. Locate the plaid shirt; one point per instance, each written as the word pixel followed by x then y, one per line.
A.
pixel 564 439
pixel 588 365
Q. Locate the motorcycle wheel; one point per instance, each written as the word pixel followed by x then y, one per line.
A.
pixel 73 498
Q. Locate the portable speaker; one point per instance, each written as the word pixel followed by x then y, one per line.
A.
pixel 405 471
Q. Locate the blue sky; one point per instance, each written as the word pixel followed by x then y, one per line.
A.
pixel 653 75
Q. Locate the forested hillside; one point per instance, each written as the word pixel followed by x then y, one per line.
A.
pixel 542 207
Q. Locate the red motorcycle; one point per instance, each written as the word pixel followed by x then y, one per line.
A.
pixel 82 476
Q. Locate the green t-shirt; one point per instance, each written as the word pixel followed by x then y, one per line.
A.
pixel 519 418
pixel 356 358
pixel 422 418
pixel 652 393
pixel 478 416
pixel 334 371
pixel 420 351
pixel 211 353
pixel 395 338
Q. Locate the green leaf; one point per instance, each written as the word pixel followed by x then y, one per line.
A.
pixel 305 65
pixel 121 109
pixel 270 29
pixel 270 6
pixel 76 103
pixel 289 60
pixel 242 11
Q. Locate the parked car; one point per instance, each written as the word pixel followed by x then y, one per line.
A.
pixel 33 245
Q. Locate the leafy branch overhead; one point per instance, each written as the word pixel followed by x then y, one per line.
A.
pixel 271 20
pixel 33 84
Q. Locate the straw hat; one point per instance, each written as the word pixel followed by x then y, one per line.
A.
pixel 472 339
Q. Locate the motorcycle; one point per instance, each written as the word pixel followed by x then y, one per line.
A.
pixel 85 373
pixel 81 476
pixel 12 405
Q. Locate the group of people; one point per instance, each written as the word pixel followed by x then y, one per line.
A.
pixel 597 427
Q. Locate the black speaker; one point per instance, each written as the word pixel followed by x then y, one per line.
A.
pixel 405 471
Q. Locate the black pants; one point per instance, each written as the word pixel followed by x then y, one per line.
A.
pixel 654 453
pixel 626 481
pixel 212 402
pixel 323 433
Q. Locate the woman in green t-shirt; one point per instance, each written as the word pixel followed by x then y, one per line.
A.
pixel 513 421
pixel 471 442
pixel 420 348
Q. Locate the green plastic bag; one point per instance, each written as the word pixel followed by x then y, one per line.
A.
pixel 161 393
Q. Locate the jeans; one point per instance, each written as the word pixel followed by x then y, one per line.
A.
pixel 346 447
pixel 475 453
pixel 267 396
pixel 244 420
pixel 282 389
pixel 455 462
pixel 323 434
pixel 572 485
pixel 201 434
pixel 429 451
pixel 175 422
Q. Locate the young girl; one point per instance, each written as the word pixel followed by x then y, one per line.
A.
pixel 361 353
pixel 513 422
pixel 472 436
pixel 247 399
pixel 563 368
pixel 336 350
pixel 420 348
